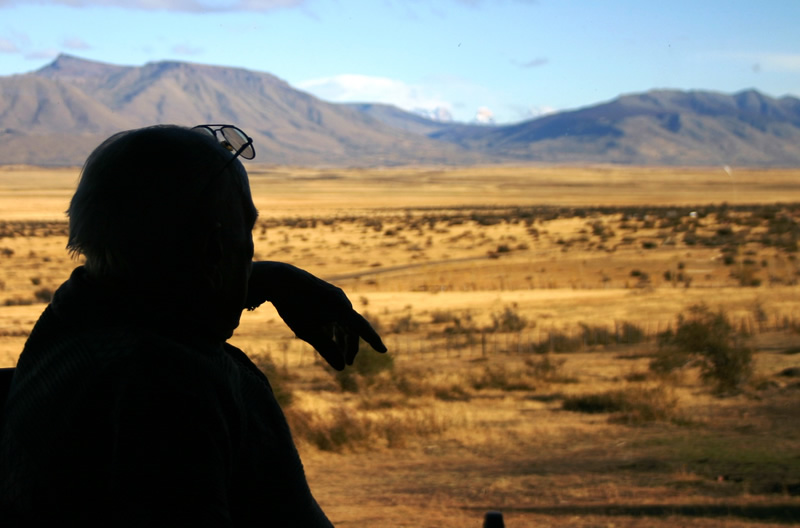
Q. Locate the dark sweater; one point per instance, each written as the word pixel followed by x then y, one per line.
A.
pixel 121 414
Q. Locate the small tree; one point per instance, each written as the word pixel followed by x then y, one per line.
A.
pixel 708 339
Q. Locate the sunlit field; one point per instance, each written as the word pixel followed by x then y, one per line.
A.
pixel 572 346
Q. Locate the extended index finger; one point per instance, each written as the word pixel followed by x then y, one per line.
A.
pixel 362 327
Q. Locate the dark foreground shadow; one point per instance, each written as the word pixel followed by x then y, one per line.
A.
pixel 778 513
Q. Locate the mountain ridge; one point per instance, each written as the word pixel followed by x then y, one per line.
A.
pixel 55 115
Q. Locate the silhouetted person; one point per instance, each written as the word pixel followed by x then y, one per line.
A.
pixel 127 406
pixel 493 519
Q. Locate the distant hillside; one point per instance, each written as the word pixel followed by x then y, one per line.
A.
pixel 653 128
pixel 663 127
pixel 56 115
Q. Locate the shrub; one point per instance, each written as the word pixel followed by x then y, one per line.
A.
pixel 44 295
pixel 630 334
pixel 500 377
pixel 596 335
pixel 509 320
pixel 546 368
pixel 708 338
pixel 404 324
pixel 18 301
pixel 632 405
pixel 558 342
pixel 367 365
pixel 443 316
pixel 746 276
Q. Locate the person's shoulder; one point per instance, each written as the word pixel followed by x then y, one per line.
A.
pixel 152 354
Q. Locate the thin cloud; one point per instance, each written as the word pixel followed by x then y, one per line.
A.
pixel 75 43
pixel 187 6
pixel 535 63
pixel 761 61
pixel 187 49
pixel 7 46
pixel 42 54
pixel 352 88
pixel 778 62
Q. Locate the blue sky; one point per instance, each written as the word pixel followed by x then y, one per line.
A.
pixel 506 60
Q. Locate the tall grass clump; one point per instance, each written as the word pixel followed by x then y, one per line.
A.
pixel 634 405
pixel 343 429
pixel 707 339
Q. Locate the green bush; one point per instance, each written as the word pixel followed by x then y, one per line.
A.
pixel 367 365
pixel 708 339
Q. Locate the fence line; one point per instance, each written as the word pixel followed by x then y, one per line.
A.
pixel 540 339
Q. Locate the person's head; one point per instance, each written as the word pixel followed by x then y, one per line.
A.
pixel 164 210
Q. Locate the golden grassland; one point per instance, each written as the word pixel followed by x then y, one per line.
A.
pixel 504 295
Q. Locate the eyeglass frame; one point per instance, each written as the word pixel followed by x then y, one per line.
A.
pixel 239 152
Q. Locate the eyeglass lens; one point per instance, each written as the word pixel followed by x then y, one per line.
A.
pixel 233 139
pixel 237 139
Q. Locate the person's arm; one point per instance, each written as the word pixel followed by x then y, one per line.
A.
pixel 317 311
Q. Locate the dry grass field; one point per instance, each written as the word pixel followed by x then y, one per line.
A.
pixel 527 311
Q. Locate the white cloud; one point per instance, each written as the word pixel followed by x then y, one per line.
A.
pixel 442 98
pixel 484 116
pixel 7 46
pixel 191 6
pixel 518 113
pixel 539 111
pixel 352 88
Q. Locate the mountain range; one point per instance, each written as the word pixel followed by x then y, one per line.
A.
pixel 56 115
